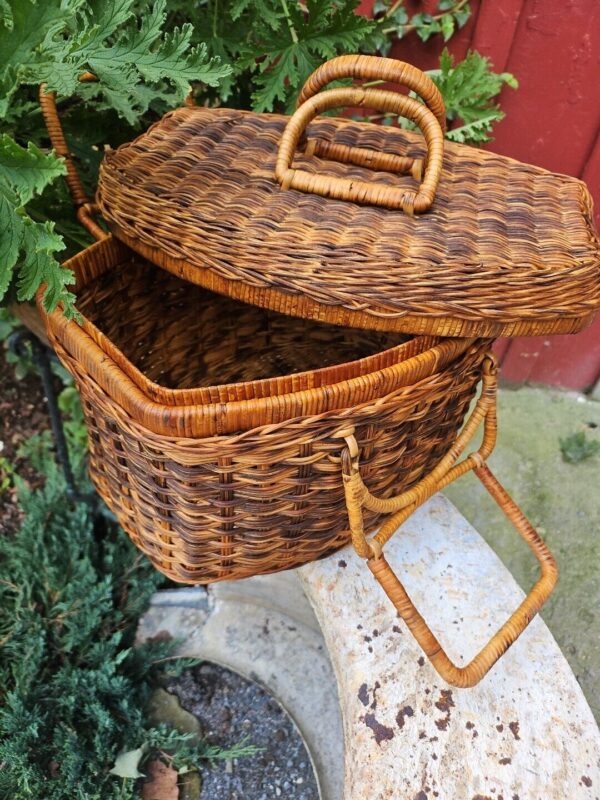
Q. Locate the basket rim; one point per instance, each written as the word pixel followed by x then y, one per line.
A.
pixel 251 389
pixel 214 418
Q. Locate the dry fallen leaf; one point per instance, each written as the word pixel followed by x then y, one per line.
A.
pixel 161 782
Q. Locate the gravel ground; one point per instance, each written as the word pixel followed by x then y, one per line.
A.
pixel 231 708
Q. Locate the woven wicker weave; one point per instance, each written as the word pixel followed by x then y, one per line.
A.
pixel 505 249
pixel 208 508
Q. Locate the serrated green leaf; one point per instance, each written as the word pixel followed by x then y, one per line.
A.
pixel 308 37
pixel 27 171
pixel 469 90
pixel 11 236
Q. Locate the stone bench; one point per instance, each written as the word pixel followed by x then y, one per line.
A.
pixel 524 733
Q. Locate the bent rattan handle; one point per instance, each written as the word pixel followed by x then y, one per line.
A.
pixel 375 68
pixel 402 506
pixel 476 669
pixel 85 209
pixel 380 194
pixel 59 143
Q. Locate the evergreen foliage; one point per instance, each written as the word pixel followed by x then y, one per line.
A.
pixel 73 689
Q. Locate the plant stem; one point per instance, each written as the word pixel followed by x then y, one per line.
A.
pixel 290 24
pixel 214 18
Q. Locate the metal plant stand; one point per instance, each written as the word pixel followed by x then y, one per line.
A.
pixel 42 357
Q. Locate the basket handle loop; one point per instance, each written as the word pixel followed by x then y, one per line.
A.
pixel 375 68
pixel 403 505
pixel 380 194
pixel 84 207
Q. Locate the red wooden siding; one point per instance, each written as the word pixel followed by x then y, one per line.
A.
pixel 552 120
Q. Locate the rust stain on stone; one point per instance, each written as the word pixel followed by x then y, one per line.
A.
pixel 381 732
pixel 505 761
pixel 586 780
pixel 445 703
pixel 375 688
pixel 407 711
pixel 363 694
pixel 514 729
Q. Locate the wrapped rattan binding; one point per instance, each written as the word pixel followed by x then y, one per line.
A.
pixel 215 482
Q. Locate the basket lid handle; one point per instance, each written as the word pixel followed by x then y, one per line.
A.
pixel 364 192
pixel 375 68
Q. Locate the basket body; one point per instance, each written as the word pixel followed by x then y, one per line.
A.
pixel 229 502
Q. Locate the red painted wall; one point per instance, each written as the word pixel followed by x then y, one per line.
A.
pixel 552 120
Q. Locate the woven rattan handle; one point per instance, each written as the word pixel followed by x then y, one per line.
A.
pixel 358 496
pixel 85 209
pixel 374 68
pixel 380 194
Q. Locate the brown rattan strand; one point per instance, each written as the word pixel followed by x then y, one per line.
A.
pixel 409 200
pixel 506 248
pixel 163 346
pixel 272 497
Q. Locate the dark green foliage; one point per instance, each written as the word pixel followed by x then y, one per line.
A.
pixel 138 64
pixel 72 687
pixel 273 45
pixel 393 19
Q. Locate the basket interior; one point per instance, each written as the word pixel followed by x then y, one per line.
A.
pixel 181 336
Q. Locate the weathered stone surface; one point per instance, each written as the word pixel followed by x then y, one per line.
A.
pixel 524 733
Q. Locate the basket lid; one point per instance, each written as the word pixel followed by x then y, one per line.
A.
pixel 355 223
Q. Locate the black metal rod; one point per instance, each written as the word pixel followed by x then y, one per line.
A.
pixel 42 359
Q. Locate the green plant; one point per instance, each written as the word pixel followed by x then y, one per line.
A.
pixel 144 56
pixel 274 45
pixel 137 66
pixel 469 89
pixel 577 447
pixel 73 688
pixel 7 472
pixel 394 22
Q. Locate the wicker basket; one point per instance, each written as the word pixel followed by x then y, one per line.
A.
pixel 217 479
pixel 231 440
